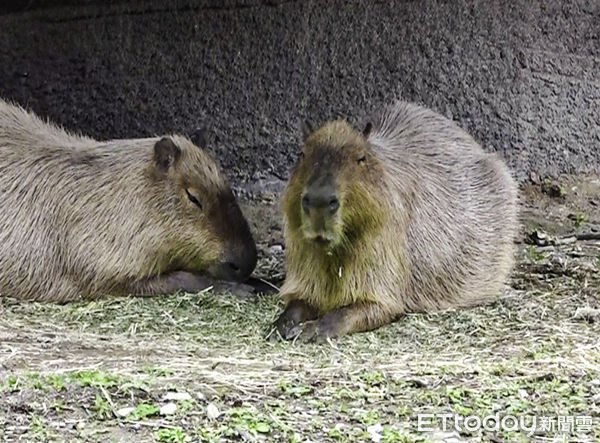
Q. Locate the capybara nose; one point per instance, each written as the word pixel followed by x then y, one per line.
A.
pixel 235 271
pixel 235 266
pixel 320 198
pixel 334 205
pixel 238 267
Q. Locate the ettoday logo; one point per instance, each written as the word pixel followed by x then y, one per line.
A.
pixel 528 424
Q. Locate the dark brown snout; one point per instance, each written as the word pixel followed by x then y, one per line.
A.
pixel 238 258
pixel 235 266
pixel 320 197
pixel 320 206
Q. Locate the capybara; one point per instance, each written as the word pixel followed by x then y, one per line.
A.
pixel 409 215
pixel 80 218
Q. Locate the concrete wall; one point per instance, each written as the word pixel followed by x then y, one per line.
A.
pixel 523 76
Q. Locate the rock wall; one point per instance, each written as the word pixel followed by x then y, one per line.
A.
pixel 522 76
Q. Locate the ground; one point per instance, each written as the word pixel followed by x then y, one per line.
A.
pixel 199 367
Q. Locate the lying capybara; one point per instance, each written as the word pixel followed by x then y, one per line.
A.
pixel 408 215
pixel 81 218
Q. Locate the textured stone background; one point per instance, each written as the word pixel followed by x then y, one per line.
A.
pixel 523 76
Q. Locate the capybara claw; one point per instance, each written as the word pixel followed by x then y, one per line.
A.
pixel 293 332
pixel 285 327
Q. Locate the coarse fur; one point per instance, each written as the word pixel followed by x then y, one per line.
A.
pixel 426 221
pixel 81 218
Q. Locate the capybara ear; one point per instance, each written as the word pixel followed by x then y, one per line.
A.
pixel 306 129
pixel 198 137
pixel 367 129
pixel 166 153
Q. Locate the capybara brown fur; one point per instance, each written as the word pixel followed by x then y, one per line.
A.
pixel 80 218
pixel 409 215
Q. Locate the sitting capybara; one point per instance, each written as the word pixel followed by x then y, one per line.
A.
pixel 408 215
pixel 82 218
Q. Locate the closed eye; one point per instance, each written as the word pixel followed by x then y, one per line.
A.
pixel 193 199
pixel 362 159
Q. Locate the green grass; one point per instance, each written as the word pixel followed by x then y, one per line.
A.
pixel 579 219
pixel 102 408
pixel 526 355
pixel 94 378
pixel 171 435
pixel 143 411
pixel 534 255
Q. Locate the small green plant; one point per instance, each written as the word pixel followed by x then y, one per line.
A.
pixel 373 378
pixel 184 406
pixel 171 435
pixel 393 435
pixel 534 255
pixel 143 410
pixel 517 406
pixel 579 220
pixel 102 408
pixel 562 190
pixel 403 412
pixel 38 382
pixel 94 378
pixel 335 434
pixel 134 385
pixel 158 372
pixel 250 420
pixel 345 393
pixel 56 381
pixel 458 398
pixel 369 418
pixel 11 383
pixel 262 427
pixel 44 383
pixel 294 391
pixel 38 428
pixel 211 434
pixel 538 352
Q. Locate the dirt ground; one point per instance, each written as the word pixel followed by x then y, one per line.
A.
pixel 198 367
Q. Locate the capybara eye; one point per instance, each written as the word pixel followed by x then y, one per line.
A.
pixel 362 160
pixel 193 199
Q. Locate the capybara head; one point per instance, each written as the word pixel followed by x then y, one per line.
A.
pixel 331 196
pixel 210 233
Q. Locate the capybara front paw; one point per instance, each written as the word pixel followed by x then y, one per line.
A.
pixel 286 326
pixel 295 313
pixel 316 331
pixel 240 290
